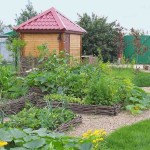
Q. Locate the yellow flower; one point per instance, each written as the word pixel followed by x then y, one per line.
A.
pixel 2 143
pixel 104 133
pixel 87 134
pixel 96 132
pixel 101 130
pixel 89 131
pixel 94 141
pixel 100 139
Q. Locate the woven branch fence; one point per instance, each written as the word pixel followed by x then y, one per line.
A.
pixel 78 108
pixel 84 109
pixel 15 106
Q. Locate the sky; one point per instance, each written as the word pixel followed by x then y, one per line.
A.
pixel 129 13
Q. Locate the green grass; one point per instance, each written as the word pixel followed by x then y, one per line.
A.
pixel 123 72
pixel 134 137
pixel 141 79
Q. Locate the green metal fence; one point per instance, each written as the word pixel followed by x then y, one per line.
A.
pixel 130 51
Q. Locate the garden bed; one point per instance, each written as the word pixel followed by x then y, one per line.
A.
pixel 84 109
pixel 15 106
pixel 66 126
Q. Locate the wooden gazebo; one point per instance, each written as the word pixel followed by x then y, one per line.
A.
pixel 53 28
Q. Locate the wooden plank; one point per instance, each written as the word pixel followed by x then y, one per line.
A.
pixel 75 46
pixel 34 40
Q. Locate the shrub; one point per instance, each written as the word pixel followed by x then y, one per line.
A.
pixel 53 78
pixel 107 90
pixel 138 101
pixel 11 86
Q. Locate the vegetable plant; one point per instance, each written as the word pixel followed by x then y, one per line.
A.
pixel 63 98
pixel 36 118
pixel 40 139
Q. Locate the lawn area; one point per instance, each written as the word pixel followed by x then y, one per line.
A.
pixel 134 137
pixel 139 78
pixel 142 79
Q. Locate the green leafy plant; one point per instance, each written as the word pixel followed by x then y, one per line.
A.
pixel 63 98
pixel 106 90
pixel 97 84
pixel 138 101
pixel 51 72
pixel 36 118
pixel 11 86
pixel 16 47
pixel 40 139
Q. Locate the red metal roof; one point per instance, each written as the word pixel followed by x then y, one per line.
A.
pixel 51 20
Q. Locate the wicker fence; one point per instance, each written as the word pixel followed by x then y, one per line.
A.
pixel 84 109
pixel 77 108
pixel 15 106
pixel 73 123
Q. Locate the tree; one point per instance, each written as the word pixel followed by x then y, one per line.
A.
pixel 14 43
pixel 26 14
pixel 102 36
pixel 1 27
pixel 139 45
pixel 16 47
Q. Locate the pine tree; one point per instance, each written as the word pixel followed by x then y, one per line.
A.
pixel 26 14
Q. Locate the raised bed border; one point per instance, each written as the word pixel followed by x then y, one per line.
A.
pixel 78 108
pixel 15 106
pixel 84 109
pixel 68 125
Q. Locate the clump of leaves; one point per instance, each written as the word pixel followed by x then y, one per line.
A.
pixel 73 80
pixel 11 86
pixel 106 90
pixel 36 118
pixel 63 98
pixel 41 139
pixel 138 101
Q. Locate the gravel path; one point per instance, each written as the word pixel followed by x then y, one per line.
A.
pixel 109 123
pixel 147 89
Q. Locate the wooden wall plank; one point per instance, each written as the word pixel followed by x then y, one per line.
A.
pixel 34 40
pixel 75 46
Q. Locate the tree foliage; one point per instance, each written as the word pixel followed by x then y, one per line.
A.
pixel 139 42
pixel 101 35
pixel 14 43
pixel 26 14
pixel 140 48
pixel 16 47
